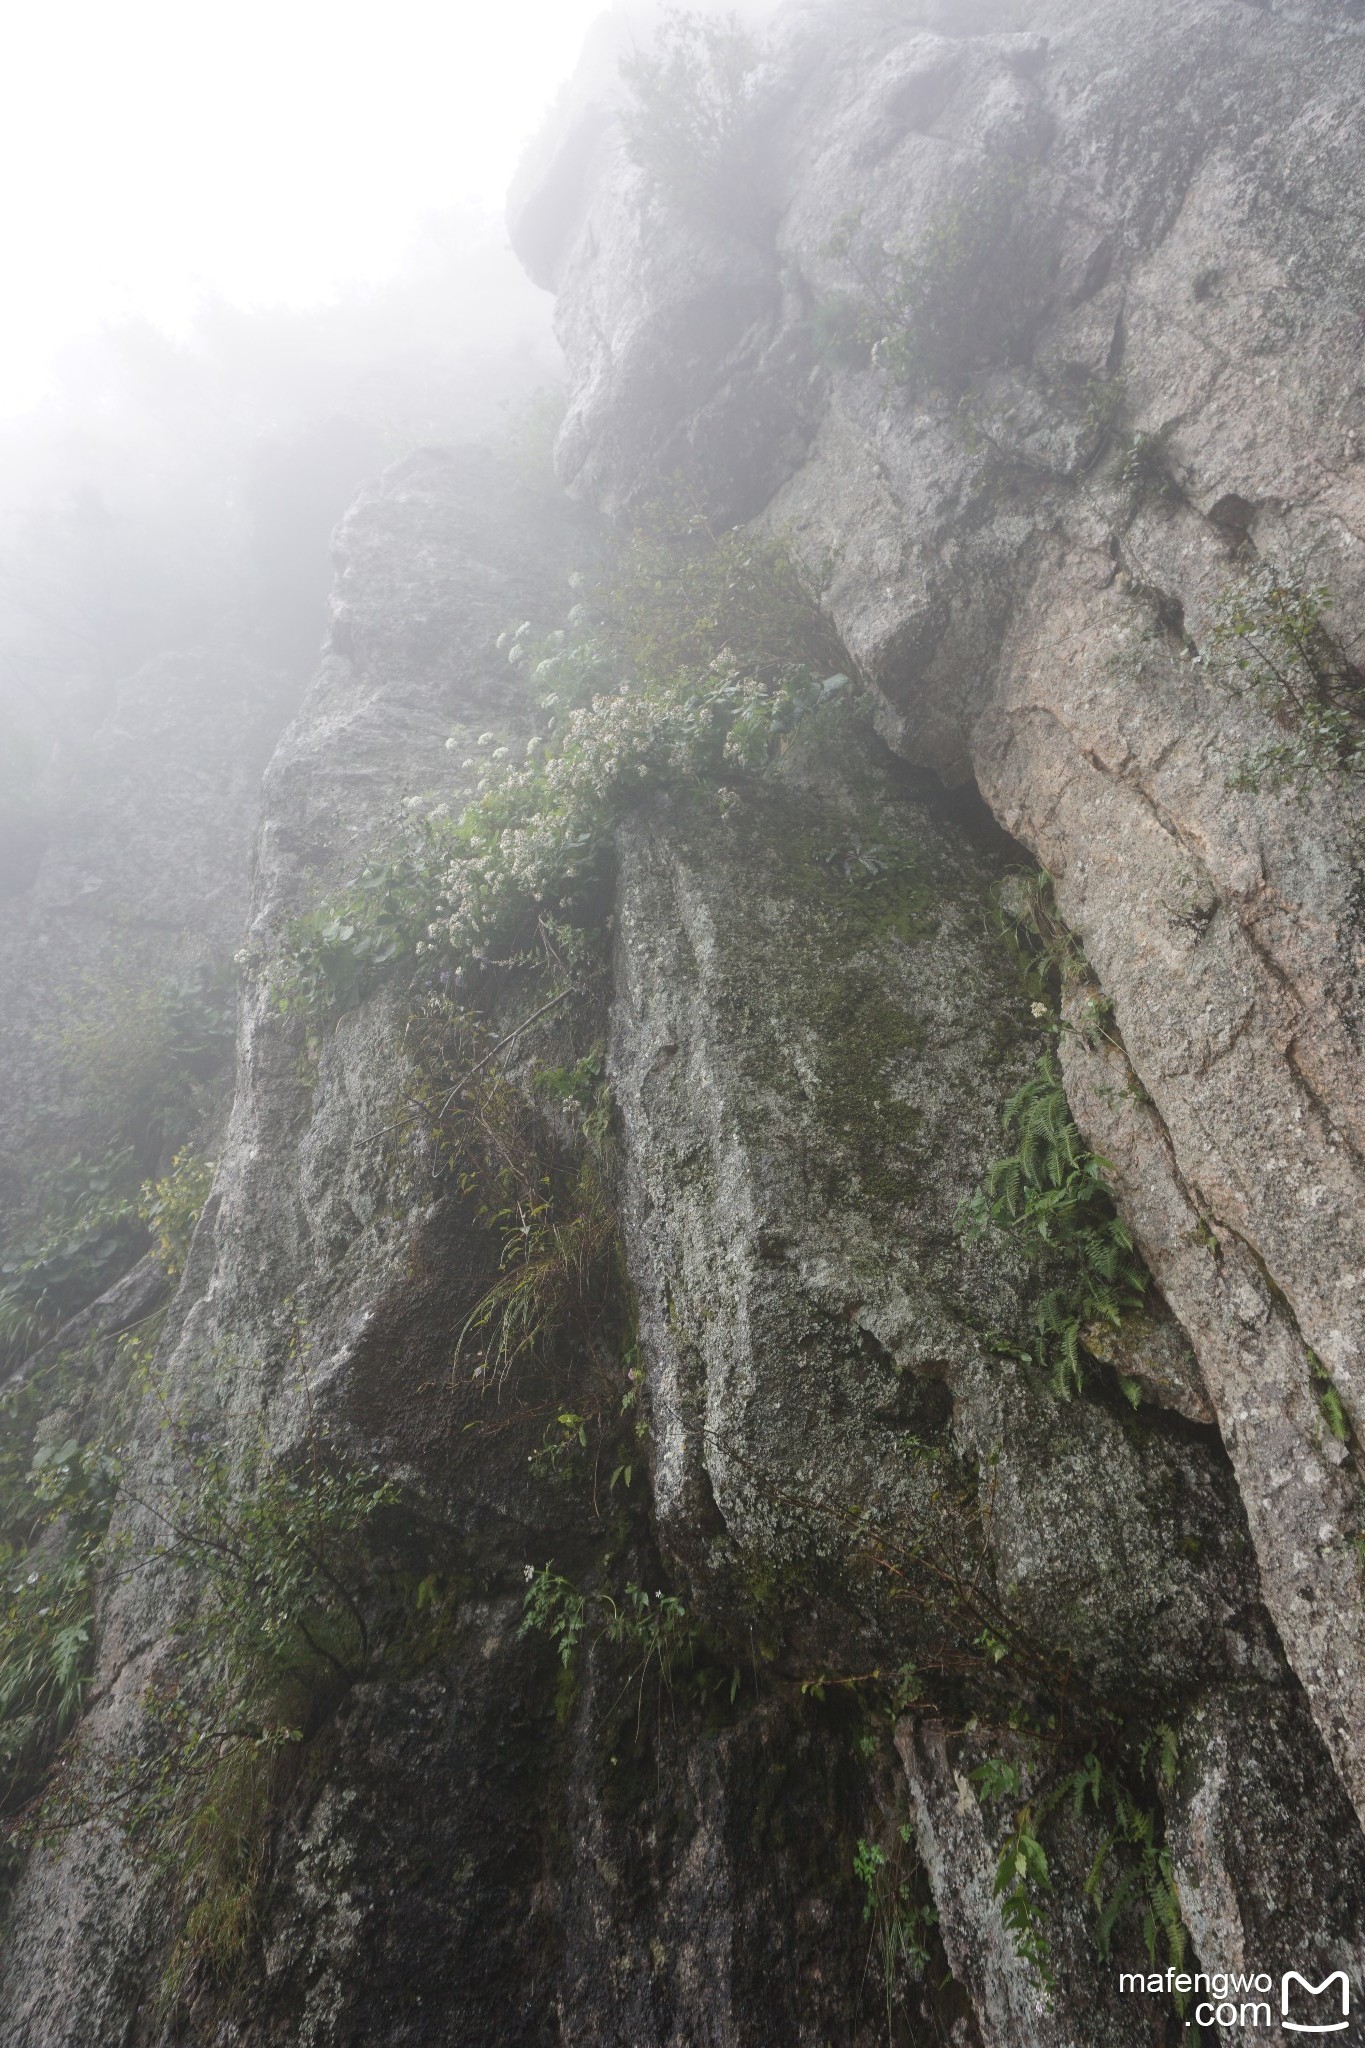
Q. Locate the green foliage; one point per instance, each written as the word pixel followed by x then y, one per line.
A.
pixel 654 1629
pixel 53 1516
pixel 1130 1874
pixel 171 1207
pixel 1131 1867
pixel 1051 1195
pixel 280 1564
pixel 678 594
pixel 533 848
pixel 966 296
pixel 693 121
pixel 144 1062
pixel 1270 641
pixel 143 1056
pixel 288 1610
pixel 1329 1400
pixel 896 1910
pixel 86 1234
pixel 1048 951
pixel 557 1266
pixel 1143 466
pixel 543 1197
pixel 551 1329
pixel 58 1482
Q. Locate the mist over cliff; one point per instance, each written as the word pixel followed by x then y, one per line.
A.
pixel 680 1228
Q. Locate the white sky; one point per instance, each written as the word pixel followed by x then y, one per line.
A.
pixel 154 152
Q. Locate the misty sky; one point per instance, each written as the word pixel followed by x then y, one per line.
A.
pixel 154 152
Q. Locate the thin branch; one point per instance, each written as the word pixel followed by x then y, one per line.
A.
pixel 515 1032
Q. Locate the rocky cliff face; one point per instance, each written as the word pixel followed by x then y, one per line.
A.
pixel 911 1691
pixel 1164 209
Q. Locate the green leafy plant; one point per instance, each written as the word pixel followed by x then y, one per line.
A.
pixel 549 1334
pixel 87 1232
pixel 58 1482
pixel 287 1611
pixel 693 118
pixel 1052 1196
pixel 145 1057
pixel 1270 640
pixel 896 1909
pixel 1143 465
pixel 171 1207
pixel 1022 1874
pixel 1329 1400
pixel 1131 1859
pixel 531 852
pixel 1050 955
pixel 54 1521
pixel 1130 1873
pixel 654 1629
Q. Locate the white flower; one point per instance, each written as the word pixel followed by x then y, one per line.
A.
pixel 452 743
pixel 485 739
pixel 528 1572
pixel 498 754
pixel 1038 1009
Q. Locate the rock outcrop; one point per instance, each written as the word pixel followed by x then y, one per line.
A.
pixel 1161 206
pixel 1040 342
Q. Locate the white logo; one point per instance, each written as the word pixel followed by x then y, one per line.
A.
pixel 1315 1991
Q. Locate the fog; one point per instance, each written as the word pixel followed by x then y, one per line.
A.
pixel 258 254
pixel 270 154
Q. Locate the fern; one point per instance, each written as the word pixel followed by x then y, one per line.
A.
pixel 1130 1877
pixel 1052 1196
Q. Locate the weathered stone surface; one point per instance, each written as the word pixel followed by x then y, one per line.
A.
pixel 811 1074
pixel 1184 183
pixel 1298 1481
pixel 960 1845
pixel 857 1464
pixel 1268 1865
pixel 298 1285
pixel 454 1862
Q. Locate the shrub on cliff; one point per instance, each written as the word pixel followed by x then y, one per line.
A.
pixel 697 657
pixel 693 119
pixel 1271 641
